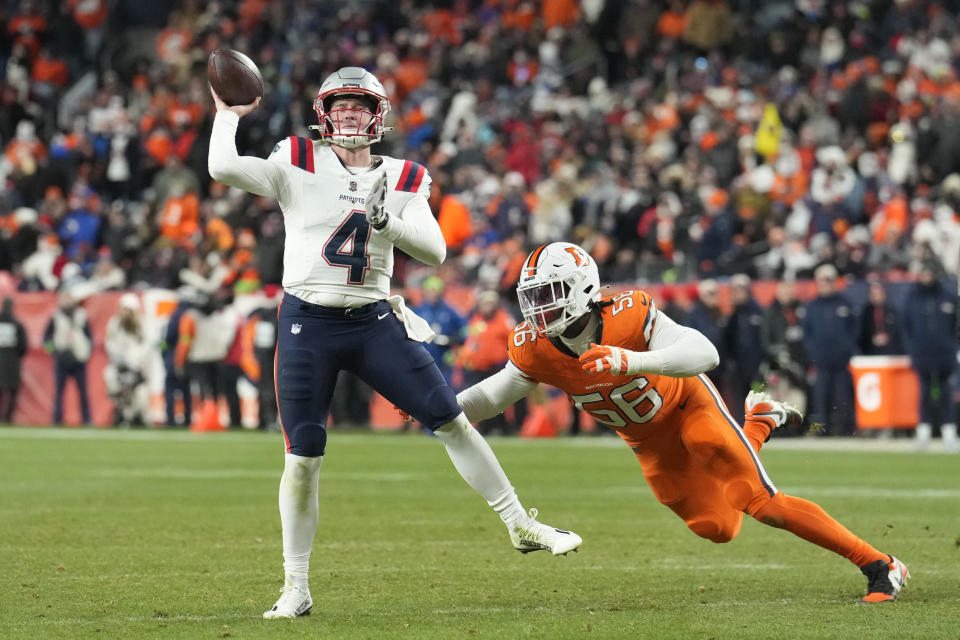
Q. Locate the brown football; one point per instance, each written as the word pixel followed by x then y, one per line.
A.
pixel 234 77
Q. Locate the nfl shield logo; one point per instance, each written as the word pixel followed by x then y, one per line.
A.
pixel 353 185
pixel 295 329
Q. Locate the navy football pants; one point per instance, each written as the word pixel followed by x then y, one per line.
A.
pixel 314 343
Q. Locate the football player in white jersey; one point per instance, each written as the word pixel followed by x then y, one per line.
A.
pixel 345 210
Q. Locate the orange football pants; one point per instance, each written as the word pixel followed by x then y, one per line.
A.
pixel 705 467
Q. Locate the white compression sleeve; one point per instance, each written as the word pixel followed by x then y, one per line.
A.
pixel 416 232
pixel 299 514
pixel 492 395
pixel 476 463
pixel 675 351
pixel 255 175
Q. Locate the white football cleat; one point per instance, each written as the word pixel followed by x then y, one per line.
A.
pixel 536 536
pixel 760 406
pixel 886 578
pixel 294 602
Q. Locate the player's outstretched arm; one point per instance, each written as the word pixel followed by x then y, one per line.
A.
pixel 226 165
pixel 674 350
pixel 492 395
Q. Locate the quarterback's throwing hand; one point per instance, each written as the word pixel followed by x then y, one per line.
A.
pixel 376 214
pixel 603 358
pixel 240 109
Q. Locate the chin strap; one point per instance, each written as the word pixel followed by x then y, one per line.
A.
pixel 316 127
pixel 326 141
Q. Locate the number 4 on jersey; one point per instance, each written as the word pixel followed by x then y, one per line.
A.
pixel 347 247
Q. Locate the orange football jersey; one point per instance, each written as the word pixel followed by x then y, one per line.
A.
pixel 631 404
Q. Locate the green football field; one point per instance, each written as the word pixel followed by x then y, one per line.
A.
pixel 167 534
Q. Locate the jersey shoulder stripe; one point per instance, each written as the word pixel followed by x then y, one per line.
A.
pixel 411 176
pixel 301 153
pixel 650 321
pixel 629 319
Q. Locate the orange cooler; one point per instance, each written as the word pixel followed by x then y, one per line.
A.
pixel 887 392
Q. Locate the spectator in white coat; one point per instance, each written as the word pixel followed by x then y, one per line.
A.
pixel 125 376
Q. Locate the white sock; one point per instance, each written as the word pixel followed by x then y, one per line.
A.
pixel 477 464
pixel 924 433
pixel 299 514
pixel 949 434
pixel 509 509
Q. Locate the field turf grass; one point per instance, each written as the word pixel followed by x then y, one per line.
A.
pixel 167 534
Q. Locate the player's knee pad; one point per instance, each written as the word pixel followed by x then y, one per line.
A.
pixel 308 439
pixel 439 407
pixel 739 493
pixel 666 489
pixel 715 527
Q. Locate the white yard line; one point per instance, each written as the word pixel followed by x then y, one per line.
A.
pixel 186 473
pixel 72 433
pixel 804 491
pixel 90 622
pixel 863 445
pixel 873 492
pixel 859 445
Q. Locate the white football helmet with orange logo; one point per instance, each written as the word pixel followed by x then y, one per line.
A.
pixel 335 126
pixel 557 285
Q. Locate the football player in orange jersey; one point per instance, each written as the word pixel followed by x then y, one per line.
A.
pixel 637 371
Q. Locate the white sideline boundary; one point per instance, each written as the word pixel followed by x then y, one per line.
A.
pixel 258 438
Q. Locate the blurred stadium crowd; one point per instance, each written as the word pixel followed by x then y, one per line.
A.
pixel 674 140
pixel 671 139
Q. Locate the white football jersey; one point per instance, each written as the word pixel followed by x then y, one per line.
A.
pixel 329 245
pixel 332 255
